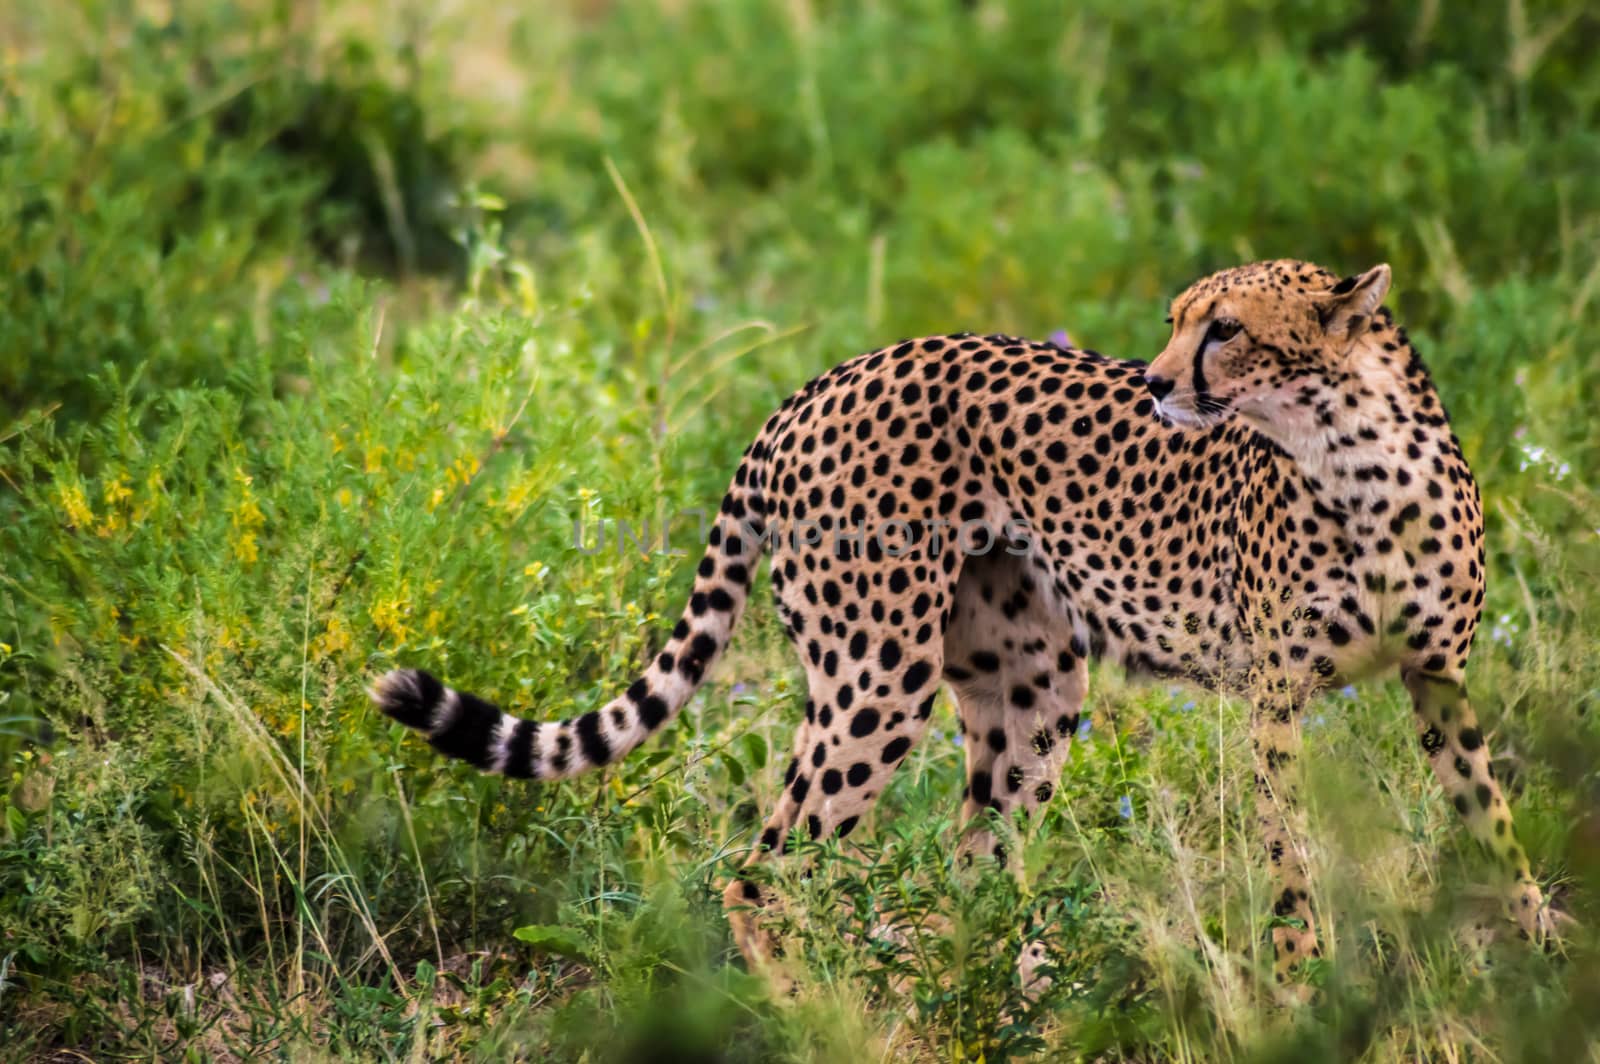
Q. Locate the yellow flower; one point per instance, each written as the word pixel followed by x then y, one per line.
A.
pixel 245 520
pixel 463 470
pixel 72 500
pixel 335 637
pixel 117 491
pixel 346 497
pixel 390 615
pixel 520 491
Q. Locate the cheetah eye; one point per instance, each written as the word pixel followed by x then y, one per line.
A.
pixel 1224 329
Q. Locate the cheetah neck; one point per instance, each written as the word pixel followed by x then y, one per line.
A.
pixel 1360 432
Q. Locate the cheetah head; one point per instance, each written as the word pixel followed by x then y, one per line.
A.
pixel 1249 340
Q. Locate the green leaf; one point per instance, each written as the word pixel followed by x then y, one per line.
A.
pixel 755 750
pixel 555 939
pixel 735 769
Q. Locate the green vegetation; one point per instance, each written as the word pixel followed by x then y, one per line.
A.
pixel 322 323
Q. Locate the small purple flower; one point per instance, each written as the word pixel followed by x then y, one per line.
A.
pixel 1084 727
pixel 738 689
pixel 1348 691
pixel 1060 338
pixel 1187 706
pixel 1125 807
pixel 957 738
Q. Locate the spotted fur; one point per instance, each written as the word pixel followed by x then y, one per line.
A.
pixel 1274 505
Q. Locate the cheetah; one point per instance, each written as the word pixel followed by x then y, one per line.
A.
pixel 1274 506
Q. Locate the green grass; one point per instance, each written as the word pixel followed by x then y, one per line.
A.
pixel 321 325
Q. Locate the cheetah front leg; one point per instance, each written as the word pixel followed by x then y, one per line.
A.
pixel 1456 749
pixel 1275 739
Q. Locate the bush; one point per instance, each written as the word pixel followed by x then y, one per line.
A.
pixel 318 340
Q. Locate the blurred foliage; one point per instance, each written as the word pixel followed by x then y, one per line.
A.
pixel 325 322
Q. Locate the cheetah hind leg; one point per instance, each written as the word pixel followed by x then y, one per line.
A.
pixel 862 719
pixel 1020 688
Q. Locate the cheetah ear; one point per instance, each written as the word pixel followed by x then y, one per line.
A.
pixel 1350 304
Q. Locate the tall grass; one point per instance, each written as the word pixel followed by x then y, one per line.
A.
pixel 324 323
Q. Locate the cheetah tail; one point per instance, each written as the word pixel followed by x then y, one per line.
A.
pixel 465 726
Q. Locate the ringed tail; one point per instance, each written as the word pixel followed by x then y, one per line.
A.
pixel 464 726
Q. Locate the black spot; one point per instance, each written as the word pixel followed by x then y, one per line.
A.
pixel 469 734
pixel 590 741
pixel 916 677
pixel 864 723
pixel 889 655
pixel 519 750
pixel 652 711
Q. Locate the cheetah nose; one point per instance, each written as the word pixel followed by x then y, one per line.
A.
pixel 1159 387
